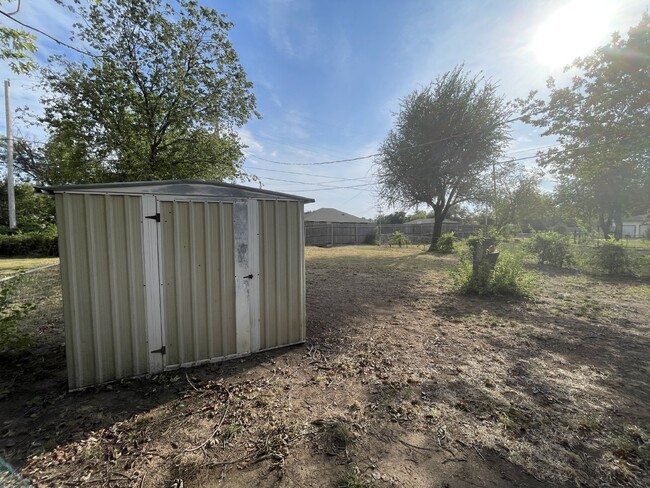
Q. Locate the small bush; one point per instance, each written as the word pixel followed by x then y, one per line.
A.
pixel 508 278
pixel 445 243
pixel 551 248
pixel 612 258
pixel 12 337
pixel 371 238
pixel 37 244
pixel 398 239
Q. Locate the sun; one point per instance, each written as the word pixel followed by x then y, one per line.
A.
pixel 572 31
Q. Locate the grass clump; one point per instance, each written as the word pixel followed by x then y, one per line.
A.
pixel 351 478
pixel 13 338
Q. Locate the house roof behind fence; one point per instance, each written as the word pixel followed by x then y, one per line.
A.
pixel 429 221
pixel 200 188
pixel 333 215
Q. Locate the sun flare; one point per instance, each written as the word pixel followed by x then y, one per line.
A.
pixel 572 31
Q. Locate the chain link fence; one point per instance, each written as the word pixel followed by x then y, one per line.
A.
pixel 39 288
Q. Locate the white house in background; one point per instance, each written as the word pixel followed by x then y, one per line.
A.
pixel 636 226
pixel 332 215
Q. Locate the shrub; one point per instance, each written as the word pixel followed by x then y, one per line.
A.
pixel 551 248
pixel 612 258
pixel 445 243
pixel 39 244
pixel 12 337
pixel 371 238
pixel 508 278
pixel 398 239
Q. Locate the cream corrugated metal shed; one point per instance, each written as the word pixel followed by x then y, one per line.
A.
pixel 167 274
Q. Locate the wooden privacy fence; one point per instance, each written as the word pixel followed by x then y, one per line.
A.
pixel 337 233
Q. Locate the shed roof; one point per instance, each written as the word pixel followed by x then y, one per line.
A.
pixel 176 187
pixel 332 215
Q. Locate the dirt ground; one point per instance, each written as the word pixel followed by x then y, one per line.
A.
pixel 401 383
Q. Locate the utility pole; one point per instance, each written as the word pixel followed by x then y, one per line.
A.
pixel 10 161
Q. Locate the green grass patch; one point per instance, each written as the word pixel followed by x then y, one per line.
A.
pixel 11 266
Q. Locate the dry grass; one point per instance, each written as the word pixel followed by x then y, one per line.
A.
pixel 11 266
pixel 402 383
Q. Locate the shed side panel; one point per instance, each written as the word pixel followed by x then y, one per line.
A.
pixel 198 281
pixel 281 274
pixel 102 278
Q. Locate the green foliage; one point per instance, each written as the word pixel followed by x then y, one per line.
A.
pixel 12 337
pixel 16 46
pixel 551 248
pixel 162 101
pixel 445 136
pixel 600 119
pixel 393 218
pixel 417 216
pixel 612 257
pixel 33 211
pixel 445 244
pixel 351 478
pixel 508 278
pixel 398 239
pixel 35 244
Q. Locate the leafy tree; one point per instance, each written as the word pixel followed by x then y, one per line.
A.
pixel 445 136
pixel 16 45
pixel 516 199
pixel 159 98
pixel 398 217
pixel 33 211
pixel 417 215
pixel 601 123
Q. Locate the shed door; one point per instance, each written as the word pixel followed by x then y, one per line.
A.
pixel 197 274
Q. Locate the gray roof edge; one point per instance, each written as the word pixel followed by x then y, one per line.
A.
pixel 108 186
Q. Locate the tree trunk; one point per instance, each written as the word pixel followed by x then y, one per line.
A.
pixel 604 224
pixel 618 226
pixel 437 228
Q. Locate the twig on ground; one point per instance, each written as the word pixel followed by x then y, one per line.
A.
pixel 416 447
pixel 479 453
pixel 190 383
pixel 234 461
pixel 214 432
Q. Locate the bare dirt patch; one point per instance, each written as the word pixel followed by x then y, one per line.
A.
pixel 401 383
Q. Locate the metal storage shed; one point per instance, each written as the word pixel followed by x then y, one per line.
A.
pixel 167 274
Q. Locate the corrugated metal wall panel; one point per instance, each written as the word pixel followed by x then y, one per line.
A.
pixel 198 280
pixel 102 278
pixel 282 315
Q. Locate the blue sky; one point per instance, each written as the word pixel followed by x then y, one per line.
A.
pixel 328 75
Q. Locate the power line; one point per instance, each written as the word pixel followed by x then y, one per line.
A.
pixel 58 41
pixel 309 174
pixel 335 161
pixel 325 185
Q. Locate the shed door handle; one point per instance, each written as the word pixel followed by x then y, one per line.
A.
pixel 249 277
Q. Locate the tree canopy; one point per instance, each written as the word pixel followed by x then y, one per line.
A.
pixel 158 98
pixel 602 123
pixel 16 45
pixel 445 136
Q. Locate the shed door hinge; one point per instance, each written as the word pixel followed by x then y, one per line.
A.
pixel 162 350
pixel 155 217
